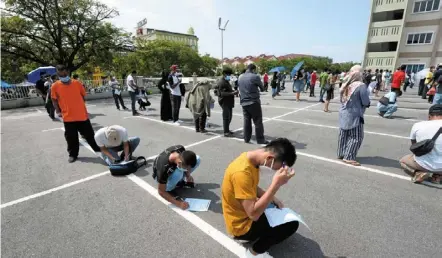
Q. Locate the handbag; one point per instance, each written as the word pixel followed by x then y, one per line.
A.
pixel 426 146
pixel 384 101
pixel 127 167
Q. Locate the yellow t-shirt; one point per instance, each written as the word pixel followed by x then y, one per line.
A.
pixel 428 78
pixel 240 183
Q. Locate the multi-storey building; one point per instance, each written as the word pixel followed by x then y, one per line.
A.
pixel 153 34
pixel 404 32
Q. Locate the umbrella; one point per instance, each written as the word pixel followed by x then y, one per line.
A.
pixel 277 69
pixel 296 68
pixel 34 75
pixel 6 85
pixel 421 75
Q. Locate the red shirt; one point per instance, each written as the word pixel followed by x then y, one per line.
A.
pixel 398 78
pixel 266 78
pixel 313 79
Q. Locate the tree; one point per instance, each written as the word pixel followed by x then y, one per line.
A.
pixel 209 65
pixel 50 32
pixel 191 31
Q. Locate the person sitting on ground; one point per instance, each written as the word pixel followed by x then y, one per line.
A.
pixel 244 202
pixel 113 139
pixel 387 104
pixel 198 101
pixel 422 166
pixel 172 169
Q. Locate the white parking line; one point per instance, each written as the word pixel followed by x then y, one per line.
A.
pixel 375 116
pixel 52 129
pixel 335 127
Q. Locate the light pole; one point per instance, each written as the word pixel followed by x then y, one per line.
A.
pixel 222 29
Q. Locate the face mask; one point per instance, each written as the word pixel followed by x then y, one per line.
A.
pixel 264 169
pixel 227 77
pixel 65 79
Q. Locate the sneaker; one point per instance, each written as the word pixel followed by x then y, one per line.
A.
pixel 203 131
pixel 263 142
pixel 263 255
pixel 180 121
pixel 72 159
pixel 176 123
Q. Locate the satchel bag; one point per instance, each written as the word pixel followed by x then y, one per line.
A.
pixel 426 146
pixel 384 101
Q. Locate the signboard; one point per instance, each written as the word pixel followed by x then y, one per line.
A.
pixel 142 23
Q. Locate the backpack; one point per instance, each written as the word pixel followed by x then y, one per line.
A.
pixel 168 151
pixel 126 168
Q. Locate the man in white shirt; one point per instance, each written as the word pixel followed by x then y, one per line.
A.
pixel 133 90
pixel 175 90
pixel 422 166
pixel 116 93
pixel 113 139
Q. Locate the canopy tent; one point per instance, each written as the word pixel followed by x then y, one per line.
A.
pixel 277 69
pixel 25 84
pixel 34 75
pixel 6 85
pixel 296 68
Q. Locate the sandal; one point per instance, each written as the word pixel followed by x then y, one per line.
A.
pixel 351 162
pixel 419 177
pixel 436 178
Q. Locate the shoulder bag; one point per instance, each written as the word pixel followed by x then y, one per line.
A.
pixel 426 146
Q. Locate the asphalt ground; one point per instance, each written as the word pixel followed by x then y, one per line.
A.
pixel 51 208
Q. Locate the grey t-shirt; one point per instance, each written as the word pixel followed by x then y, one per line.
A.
pixel 249 85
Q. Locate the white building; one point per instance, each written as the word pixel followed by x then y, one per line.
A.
pixel 404 32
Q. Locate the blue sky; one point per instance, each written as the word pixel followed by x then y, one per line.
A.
pixel 334 28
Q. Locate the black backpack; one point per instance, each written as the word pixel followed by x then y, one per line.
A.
pixel 168 151
pixel 126 168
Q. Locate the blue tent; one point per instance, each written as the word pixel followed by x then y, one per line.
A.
pixel 296 68
pixel 6 85
pixel 34 76
pixel 277 69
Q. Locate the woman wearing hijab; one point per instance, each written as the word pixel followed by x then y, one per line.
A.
pixel 298 83
pixel 166 105
pixel 198 101
pixel 354 100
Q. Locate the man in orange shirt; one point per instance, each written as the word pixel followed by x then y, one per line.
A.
pixel 244 202
pixel 68 98
pixel 398 78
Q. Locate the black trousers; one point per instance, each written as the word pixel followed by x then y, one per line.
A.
pixel 227 117
pixel 253 112
pixel 50 109
pixel 267 236
pixel 312 90
pixel 200 122
pixel 421 87
pixel 119 98
pixel 133 100
pixel 71 130
pixel 176 105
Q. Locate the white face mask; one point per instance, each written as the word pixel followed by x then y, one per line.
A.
pixel 266 170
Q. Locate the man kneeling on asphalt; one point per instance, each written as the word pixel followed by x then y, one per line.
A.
pixel 244 202
pixel 172 169
pixel 113 139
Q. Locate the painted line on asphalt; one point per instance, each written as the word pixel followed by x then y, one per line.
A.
pixel 335 127
pixel 53 129
pixel 375 116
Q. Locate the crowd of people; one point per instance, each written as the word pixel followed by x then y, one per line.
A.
pixel 243 201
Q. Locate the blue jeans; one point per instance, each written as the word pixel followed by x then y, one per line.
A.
pixel 321 94
pixel 387 110
pixel 274 91
pixel 177 175
pixel 437 98
pixel 133 144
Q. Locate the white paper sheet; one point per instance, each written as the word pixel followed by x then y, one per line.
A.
pixel 198 204
pixel 278 217
pixel 117 92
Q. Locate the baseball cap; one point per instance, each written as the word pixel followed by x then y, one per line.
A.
pixel 174 67
pixel 436 110
pixel 112 136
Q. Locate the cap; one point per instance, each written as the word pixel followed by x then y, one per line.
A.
pixel 174 67
pixel 436 110
pixel 112 136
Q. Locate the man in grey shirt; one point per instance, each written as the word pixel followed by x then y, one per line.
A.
pixel 249 85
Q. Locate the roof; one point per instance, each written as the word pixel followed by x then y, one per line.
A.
pixel 170 32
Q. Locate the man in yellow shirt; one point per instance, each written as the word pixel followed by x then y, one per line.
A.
pixel 244 202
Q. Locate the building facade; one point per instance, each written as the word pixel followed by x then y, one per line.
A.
pixel 154 34
pixel 253 59
pixel 404 32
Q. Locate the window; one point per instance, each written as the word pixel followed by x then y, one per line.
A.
pixel 421 6
pixel 414 67
pixel 419 38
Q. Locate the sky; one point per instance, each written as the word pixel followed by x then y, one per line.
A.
pixel 333 28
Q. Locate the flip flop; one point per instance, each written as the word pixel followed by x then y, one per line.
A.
pixel 351 162
pixel 419 177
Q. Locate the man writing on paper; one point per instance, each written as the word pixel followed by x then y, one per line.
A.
pixel 244 202
pixel 172 169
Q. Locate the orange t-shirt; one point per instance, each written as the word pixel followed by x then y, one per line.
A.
pixel 70 99
pixel 398 78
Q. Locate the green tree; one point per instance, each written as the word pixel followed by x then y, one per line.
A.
pixel 191 31
pixel 50 32
pixel 209 65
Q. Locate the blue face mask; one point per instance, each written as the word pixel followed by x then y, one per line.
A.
pixel 227 77
pixel 65 79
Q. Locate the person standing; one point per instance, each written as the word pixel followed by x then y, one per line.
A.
pixel 387 80
pixel 244 202
pixel 166 104
pixel 398 78
pixel 313 79
pixel 437 82
pixel 298 83
pixel 274 84
pixel 176 94
pixel 249 86
pixel 68 99
pixel 266 81
pixel 133 91
pixel 322 83
pixel 40 86
pixel 198 101
pixel 116 93
pixel 226 99
pixel 329 90
pixel 354 98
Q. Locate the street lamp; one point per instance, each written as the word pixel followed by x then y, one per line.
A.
pixel 222 29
